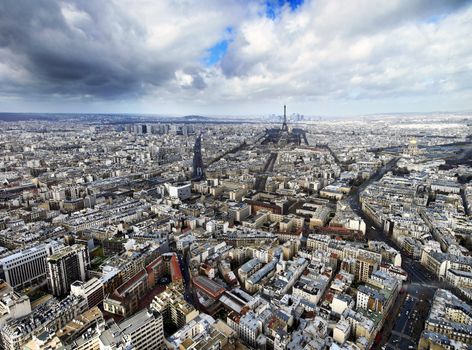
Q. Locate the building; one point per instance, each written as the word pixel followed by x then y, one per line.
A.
pixel 341 332
pixel 124 301
pixel 412 148
pixel 366 264
pixel 27 267
pixel 142 331
pixel 92 291
pixel 201 333
pixel 208 286
pixel 181 191
pixel 459 279
pixel 79 334
pixel 450 319
pixel 173 307
pixel 341 302
pixel 249 328
pixel 198 172
pixel 370 299
pixel 248 269
pixel 52 314
pixel 65 267
pixel 12 304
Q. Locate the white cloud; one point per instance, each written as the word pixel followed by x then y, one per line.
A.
pixel 338 52
pixel 341 50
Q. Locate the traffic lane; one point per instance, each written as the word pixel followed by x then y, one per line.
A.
pixel 375 177
pixel 415 275
pixel 408 330
pixel 410 321
pixel 390 321
pixel 418 306
pixel 413 267
pixel 406 343
pixel 424 293
pixel 402 317
pixel 188 295
pixel 394 340
pixel 416 271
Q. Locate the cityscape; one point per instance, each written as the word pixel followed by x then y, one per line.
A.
pixel 239 206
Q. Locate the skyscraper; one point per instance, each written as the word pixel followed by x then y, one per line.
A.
pixel 65 267
pixel 198 172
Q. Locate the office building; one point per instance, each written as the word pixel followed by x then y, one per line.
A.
pixel 65 267
pixel 27 267
pixel 143 331
pixel 92 291
pixel 180 191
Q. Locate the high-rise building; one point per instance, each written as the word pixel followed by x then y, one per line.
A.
pixel 27 267
pixel 198 172
pixel 65 267
pixel 364 267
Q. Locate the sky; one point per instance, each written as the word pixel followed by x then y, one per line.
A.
pixel 235 57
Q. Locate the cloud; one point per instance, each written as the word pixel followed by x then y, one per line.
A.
pixel 190 78
pixel 208 54
pixel 107 49
pixel 356 49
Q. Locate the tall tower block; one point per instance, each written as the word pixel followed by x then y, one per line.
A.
pixel 198 170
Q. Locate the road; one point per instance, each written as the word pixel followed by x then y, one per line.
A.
pixel 184 267
pixel 403 330
pixel 408 322
pixel 353 198
pixel 231 151
pixel 417 273
pixel 268 168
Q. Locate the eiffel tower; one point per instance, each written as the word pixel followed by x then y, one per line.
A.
pixel 284 125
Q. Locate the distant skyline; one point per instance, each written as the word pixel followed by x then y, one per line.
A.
pixel 235 57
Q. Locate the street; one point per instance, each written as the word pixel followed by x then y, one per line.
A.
pixel 404 330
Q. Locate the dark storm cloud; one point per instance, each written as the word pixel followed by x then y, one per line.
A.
pixel 97 53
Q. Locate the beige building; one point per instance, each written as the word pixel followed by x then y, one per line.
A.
pixel 173 307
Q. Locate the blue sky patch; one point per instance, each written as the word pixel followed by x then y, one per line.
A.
pixel 216 53
pixel 273 7
pixel 436 18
